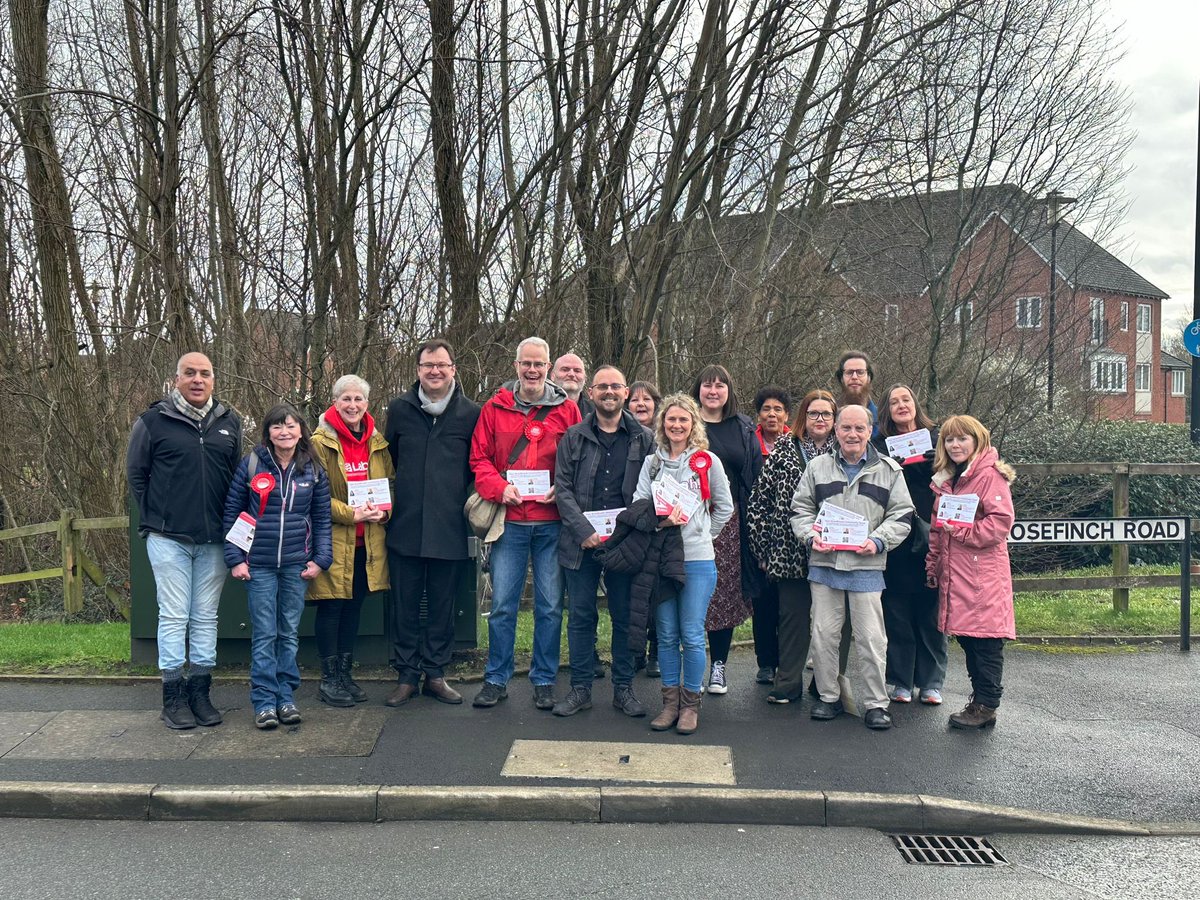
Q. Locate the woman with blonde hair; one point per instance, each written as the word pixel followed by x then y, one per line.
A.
pixel 682 455
pixel 968 559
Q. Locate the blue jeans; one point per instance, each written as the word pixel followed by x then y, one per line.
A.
pixel 276 598
pixel 681 621
pixel 188 579
pixel 509 561
pixel 583 616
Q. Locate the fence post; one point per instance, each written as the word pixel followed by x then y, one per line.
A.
pixel 1120 552
pixel 72 576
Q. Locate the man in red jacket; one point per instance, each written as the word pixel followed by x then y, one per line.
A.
pixel 512 455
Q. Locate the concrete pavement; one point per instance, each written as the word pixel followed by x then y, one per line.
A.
pixel 1088 740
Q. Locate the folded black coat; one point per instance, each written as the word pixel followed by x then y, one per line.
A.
pixel 652 556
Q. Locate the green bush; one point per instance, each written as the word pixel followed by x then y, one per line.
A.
pixel 1091 496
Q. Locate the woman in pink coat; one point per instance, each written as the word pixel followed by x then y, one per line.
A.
pixel 968 559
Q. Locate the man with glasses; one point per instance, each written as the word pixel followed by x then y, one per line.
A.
pixel 513 454
pixel 854 374
pixel 846 560
pixel 597 469
pixel 429 432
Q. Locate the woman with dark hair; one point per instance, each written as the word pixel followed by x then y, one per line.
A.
pixel 732 439
pixel 349 448
pixel 916 651
pixel 773 405
pixel 643 401
pixel 780 555
pixel 280 499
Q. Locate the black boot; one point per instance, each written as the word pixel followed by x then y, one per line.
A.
pixel 175 711
pixel 346 667
pixel 197 697
pixel 652 669
pixel 331 690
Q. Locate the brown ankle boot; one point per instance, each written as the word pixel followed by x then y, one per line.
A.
pixel 689 712
pixel 670 710
pixel 975 715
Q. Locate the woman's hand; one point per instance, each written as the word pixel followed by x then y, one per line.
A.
pixel 241 572
pixel 311 571
pixel 674 520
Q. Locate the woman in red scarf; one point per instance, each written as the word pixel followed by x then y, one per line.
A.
pixel 351 450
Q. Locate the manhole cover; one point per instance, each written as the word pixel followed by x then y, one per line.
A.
pixel 947 850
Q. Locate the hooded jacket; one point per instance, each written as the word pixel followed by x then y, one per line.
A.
pixel 328 442
pixel 974 579
pixel 294 527
pixel 179 471
pixel 500 425
pixel 653 556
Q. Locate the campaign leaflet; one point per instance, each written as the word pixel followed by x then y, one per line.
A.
pixel 669 494
pixel 531 484
pixel 840 529
pixel 604 521
pixel 910 447
pixel 241 535
pixel 958 509
pixel 376 491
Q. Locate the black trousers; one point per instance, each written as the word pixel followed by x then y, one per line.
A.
pixel 336 623
pixel 766 626
pixel 416 650
pixel 985 665
pixel 916 651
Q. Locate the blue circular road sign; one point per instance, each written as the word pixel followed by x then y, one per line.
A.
pixel 1191 338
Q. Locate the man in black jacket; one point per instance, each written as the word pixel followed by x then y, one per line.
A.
pixel 182 455
pixel 429 433
pixel 596 471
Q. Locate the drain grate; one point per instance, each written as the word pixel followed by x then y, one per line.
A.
pixel 947 850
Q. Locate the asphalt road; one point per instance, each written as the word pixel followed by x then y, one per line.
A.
pixel 56 859
pixel 1111 734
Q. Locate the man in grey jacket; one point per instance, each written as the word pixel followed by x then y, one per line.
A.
pixel 857 479
pixel 596 470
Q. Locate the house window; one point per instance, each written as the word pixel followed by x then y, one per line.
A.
pixel 1029 312
pixel 964 312
pixel 1141 377
pixel 1110 376
pixel 1145 319
pixel 1096 313
pixel 1124 315
pixel 1178 380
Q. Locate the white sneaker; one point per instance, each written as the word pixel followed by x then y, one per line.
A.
pixel 716 680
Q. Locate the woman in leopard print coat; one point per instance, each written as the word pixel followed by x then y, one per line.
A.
pixel 779 554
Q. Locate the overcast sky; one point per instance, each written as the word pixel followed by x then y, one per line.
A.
pixel 1161 70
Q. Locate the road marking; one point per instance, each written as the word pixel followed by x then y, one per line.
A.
pixel 621 761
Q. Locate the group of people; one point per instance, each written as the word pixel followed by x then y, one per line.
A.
pixel 817 518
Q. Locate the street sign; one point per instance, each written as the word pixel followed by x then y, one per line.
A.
pixel 1099 531
pixel 1191 337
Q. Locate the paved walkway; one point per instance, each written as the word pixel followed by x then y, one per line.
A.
pixel 1112 734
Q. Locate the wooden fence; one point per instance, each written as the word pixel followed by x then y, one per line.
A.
pixel 76 564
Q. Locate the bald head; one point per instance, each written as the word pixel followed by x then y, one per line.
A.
pixel 853 430
pixel 569 374
pixel 194 378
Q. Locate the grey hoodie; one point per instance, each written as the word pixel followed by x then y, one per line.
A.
pixel 698 531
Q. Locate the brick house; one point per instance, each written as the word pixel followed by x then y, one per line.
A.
pixel 976 266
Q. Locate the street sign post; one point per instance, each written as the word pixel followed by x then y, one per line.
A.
pixel 1151 530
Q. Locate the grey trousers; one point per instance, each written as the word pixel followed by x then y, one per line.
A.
pixel 870 640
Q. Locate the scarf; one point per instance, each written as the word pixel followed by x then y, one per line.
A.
pixel 196 415
pixel 810 450
pixel 356 454
pixel 435 407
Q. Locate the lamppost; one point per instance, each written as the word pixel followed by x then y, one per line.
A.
pixel 1056 202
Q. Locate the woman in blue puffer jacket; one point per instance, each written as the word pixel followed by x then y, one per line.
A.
pixel 283 492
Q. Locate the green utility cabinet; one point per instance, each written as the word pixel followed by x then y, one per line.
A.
pixel 233 620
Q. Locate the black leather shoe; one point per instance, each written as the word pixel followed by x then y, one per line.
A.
pixel 878 719
pixel 766 675
pixel 826 711
pixel 201 706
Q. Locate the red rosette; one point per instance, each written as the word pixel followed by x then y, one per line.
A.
pixel 700 463
pixel 534 430
pixel 262 484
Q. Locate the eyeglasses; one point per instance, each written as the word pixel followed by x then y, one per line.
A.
pixel 435 367
pixel 532 364
pixel 857 373
pixel 616 386
pixel 818 415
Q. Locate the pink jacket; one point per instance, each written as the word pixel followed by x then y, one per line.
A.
pixel 975 595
